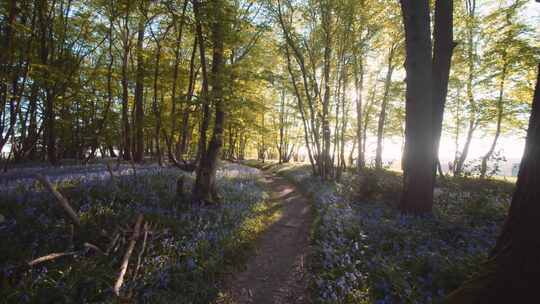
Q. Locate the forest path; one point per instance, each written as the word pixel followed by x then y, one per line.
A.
pixel 277 273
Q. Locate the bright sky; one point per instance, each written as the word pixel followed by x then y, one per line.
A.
pixel 511 147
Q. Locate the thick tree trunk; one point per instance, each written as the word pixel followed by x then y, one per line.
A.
pixel 205 123
pixel 417 194
pixel 443 45
pixel 204 188
pixel 511 274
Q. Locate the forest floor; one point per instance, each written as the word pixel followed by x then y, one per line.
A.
pixel 186 253
pixel 278 272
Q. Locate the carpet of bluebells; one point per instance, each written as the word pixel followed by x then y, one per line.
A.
pixel 192 248
pixel 366 251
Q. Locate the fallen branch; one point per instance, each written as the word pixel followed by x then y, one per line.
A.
pixel 95 248
pixel 143 247
pixel 50 257
pixel 127 255
pixel 62 201
pixel 112 243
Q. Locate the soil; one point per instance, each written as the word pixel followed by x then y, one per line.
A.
pixel 278 271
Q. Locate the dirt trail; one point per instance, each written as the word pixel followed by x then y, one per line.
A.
pixel 277 273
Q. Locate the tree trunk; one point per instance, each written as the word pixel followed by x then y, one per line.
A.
pixel 303 115
pixel 204 189
pixel 511 274
pixel 344 121
pixel 205 123
pixel 358 87
pixel 155 106
pixel 281 127
pixel 126 130
pixel 49 115
pixel 417 194
pixel 382 115
pixel 366 115
pixel 174 100
pixel 473 123
pixel 103 122
pixel 185 129
pixel 327 165
pixel 487 156
pixel 443 46
pixel 139 93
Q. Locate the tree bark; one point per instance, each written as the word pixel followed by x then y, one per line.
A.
pixel 382 115
pixel 49 114
pixel 470 6
pixel 185 129
pixel 443 46
pixel 139 91
pixel 204 188
pixel 156 108
pixel 367 119
pixel 327 165
pixel 358 87
pixel 126 130
pixel 174 100
pixel 205 123
pixel 417 196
